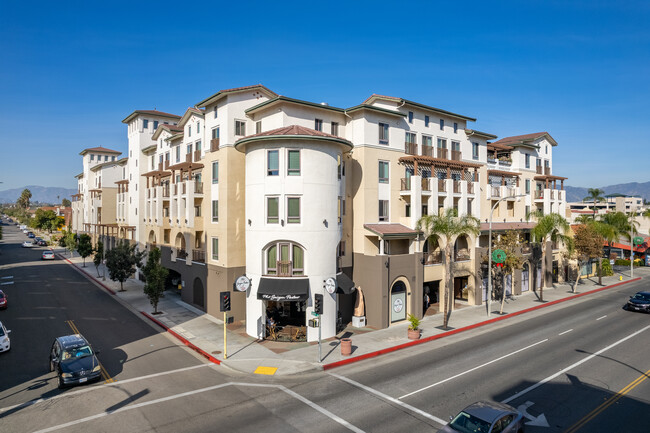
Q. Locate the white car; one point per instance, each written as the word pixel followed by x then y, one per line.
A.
pixel 5 343
pixel 48 255
pixel 28 244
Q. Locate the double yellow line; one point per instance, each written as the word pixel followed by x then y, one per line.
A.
pixel 607 403
pixel 107 378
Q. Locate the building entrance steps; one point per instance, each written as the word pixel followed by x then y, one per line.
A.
pixel 204 333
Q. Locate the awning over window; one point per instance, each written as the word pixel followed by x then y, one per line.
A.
pixel 344 284
pixel 283 289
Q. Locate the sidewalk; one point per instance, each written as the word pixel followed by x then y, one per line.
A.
pixel 204 333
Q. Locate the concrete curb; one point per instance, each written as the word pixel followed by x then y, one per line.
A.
pixel 465 328
pixel 87 275
pixel 182 339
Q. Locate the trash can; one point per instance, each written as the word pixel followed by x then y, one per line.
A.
pixel 346 346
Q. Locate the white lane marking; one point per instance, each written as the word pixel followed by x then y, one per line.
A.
pixel 95 388
pixel 7 283
pixel 602 317
pixel 7 278
pixel 564 370
pixel 390 399
pixel 198 391
pixel 565 332
pixel 472 369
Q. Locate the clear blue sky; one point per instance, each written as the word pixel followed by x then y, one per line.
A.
pixel 71 71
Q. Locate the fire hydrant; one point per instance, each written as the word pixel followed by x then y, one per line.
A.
pixel 620 278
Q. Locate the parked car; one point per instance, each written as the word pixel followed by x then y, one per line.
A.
pixel 41 243
pixel 47 255
pixel 639 302
pixel 74 361
pixel 3 300
pixel 31 235
pixel 486 416
pixel 28 244
pixel 5 342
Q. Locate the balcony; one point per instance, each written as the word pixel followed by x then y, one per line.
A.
pixel 456 187
pixel 547 171
pixel 188 157
pixel 456 155
pixel 167 164
pixel 442 185
pixel 539 195
pixel 426 184
pixel 538 169
pixel 461 255
pixel 165 191
pixel 198 256
pixel 470 187
pixel 214 145
pixel 410 148
pixel 197 155
pixel 427 150
pixel 181 254
pixel 434 258
pixel 198 187
pixel 405 184
pixel 442 153
pixel 495 191
pixel 284 269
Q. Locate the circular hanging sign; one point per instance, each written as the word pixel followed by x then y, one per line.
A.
pixel 242 283
pixel 638 240
pixel 498 256
pixel 330 285
pixel 398 305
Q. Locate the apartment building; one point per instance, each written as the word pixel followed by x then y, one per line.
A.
pixel 276 200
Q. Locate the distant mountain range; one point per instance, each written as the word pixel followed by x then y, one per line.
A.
pixel 42 194
pixel 635 189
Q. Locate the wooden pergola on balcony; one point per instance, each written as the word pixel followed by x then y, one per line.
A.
pixel 548 179
pixel 417 162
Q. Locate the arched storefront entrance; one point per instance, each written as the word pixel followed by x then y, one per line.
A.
pixel 398 301
pixel 198 293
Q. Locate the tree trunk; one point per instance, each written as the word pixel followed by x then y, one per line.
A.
pixel 448 294
pixel 543 282
pixel 84 262
pixel 600 271
pixel 122 287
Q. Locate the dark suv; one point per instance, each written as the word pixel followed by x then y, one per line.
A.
pixel 74 361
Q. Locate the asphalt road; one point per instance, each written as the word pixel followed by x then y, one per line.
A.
pixel 565 365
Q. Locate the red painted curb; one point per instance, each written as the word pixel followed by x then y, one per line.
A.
pixel 87 275
pixel 466 328
pixel 182 339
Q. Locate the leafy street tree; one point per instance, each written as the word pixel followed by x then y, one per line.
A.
pixel 45 219
pixel 23 200
pixel 155 275
pixel 122 261
pixel 99 256
pixel 66 203
pixel 56 224
pixel 84 247
pixel 509 243
pixel 595 195
pixel 449 227
pixel 587 245
pixel 70 242
pixel 554 228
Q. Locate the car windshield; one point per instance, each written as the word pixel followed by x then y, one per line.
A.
pixel 467 423
pixel 2 332
pixel 77 352
pixel 642 297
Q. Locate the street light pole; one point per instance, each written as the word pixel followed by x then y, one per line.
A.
pixel 489 287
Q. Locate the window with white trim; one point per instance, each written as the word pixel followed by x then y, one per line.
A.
pixel 383 172
pixel 284 259
pixel 215 246
pixel 272 163
pixel 272 210
pixel 383 133
pixel 215 211
pixel 293 210
pixel 293 162
pixel 240 127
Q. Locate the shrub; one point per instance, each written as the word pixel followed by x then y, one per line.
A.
pixel 626 262
pixel 607 270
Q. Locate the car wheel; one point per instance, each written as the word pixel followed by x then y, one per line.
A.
pixel 60 383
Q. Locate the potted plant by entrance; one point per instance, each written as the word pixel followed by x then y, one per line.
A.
pixel 414 330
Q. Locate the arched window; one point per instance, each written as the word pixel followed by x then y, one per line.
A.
pixel 285 259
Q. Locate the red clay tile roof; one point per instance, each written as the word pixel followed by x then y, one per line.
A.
pixel 294 130
pixel 172 128
pixel 520 138
pixel 99 149
pixel 390 229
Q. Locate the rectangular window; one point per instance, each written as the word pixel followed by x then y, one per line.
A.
pixel 527 186
pixel 442 124
pixel 427 140
pixel 215 211
pixel 197 145
pixel 272 163
pixel 408 210
pixel 410 117
pixel 198 127
pixel 178 153
pixel 293 210
pixel 160 159
pixel 145 123
pixel 318 124
pixel 442 143
pixel 258 127
pixel 383 210
pixel 215 111
pixel 410 138
pixel 335 128
pixel 215 172
pixel 240 127
pixel 272 211
pixel 383 171
pixel 215 132
pixel 383 133
pixel 293 163
pixel 215 243
pixel 527 211
pixel 155 125
pixel 197 211
pixel 189 131
pixel 455 127
pixel 426 121
pixel 474 150
pixel 527 161
pixel 189 148
pixel 166 156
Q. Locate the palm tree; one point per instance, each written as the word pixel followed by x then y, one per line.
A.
pixel 448 226
pixel 584 219
pixel 610 235
pixel 595 195
pixel 551 227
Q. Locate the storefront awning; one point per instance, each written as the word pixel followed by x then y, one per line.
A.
pixel 283 289
pixel 344 284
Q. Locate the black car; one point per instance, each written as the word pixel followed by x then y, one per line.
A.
pixel 41 243
pixel 74 361
pixel 31 235
pixel 639 302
